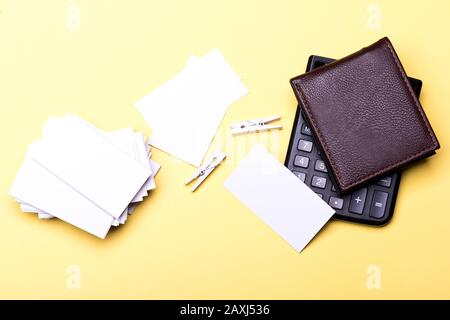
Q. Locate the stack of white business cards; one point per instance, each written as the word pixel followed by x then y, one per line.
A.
pixel 186 111
pixel 87 177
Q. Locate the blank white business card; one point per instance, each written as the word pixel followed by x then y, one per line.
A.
pixel 39 188
pixel 279 198
pixel 91 164
pixel 186 111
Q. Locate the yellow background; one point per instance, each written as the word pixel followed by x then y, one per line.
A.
pixel 207 244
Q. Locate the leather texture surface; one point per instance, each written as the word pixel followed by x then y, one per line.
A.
pixel 365 116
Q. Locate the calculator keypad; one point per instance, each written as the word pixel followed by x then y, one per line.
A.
pixel 385 182
pixel 378 207
pixel 304 145
pixel 319 182
pixel 320 166
pixel 306 130
pixel 367 205
pixel 357 201
pixel 336 203
pixel 301 161
pixel 300 175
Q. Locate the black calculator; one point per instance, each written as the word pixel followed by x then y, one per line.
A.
pixel 372 204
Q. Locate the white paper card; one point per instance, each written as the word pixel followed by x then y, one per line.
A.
pixel 38 187
pixel 279 198
pixel 186 111
pixel 91 164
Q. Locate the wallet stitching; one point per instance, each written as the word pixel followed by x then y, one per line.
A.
pixel 385 169
pixel 313 122
pixel 405 80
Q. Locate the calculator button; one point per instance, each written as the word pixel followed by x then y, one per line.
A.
pixel 320 166
pixel 319 182
pixel 385 182
pixel 336 203
pixel 320 195
pixel 357 201
pixel 304 145
pixel 300 175
pixel 306 130
pixel 301 161
pixel 378 205
pixel 333 188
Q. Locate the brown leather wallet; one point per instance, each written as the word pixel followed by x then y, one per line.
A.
pixel 365 116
